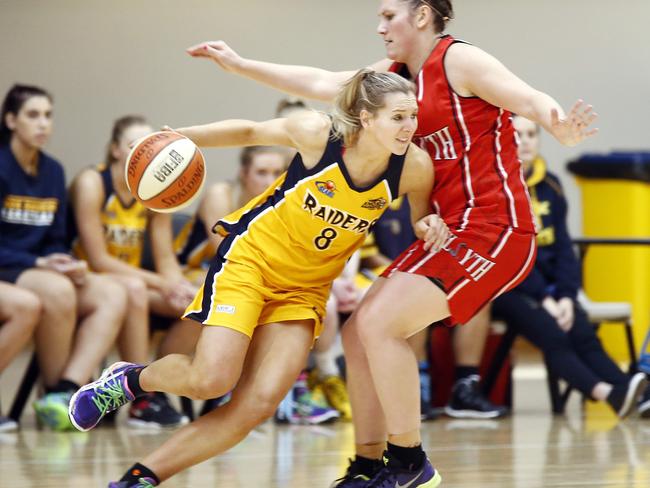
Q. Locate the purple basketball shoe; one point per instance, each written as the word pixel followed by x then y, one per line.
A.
pixel 394 475
pixel 94 400
pixel 142 483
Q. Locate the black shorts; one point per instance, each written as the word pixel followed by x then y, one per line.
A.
pixel 158 322
pixel 10 275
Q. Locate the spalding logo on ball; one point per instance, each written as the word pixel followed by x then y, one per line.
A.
pixel 165 171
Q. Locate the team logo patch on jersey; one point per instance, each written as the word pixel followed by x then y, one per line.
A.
pixel 375 204
pixel 326 187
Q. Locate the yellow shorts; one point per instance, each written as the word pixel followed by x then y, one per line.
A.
pixel 237 296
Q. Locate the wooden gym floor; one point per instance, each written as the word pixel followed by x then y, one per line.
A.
pixel 531 449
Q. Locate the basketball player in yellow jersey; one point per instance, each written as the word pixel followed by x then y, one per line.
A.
pixel 264 296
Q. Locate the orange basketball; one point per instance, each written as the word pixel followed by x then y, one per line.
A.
pixel 165 171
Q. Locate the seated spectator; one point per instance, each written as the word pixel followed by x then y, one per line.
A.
pixel 20 313
pixel 109 234
pixel 543 307
pixel 81 312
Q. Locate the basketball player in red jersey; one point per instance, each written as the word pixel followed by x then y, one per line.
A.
pixel 466 98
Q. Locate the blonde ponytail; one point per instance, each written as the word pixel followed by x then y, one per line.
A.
pixel 366 90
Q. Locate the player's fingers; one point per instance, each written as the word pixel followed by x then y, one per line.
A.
pixel 427 237
pixel 591 118
pixel 585 117
pixel 555 118
pixel 443 236
pixel 212 53
pixel 432 238
pixel 588 109
pixel 194 47
pixel 576 106
pixel 198 49
pixel 427 244
pixel 432 234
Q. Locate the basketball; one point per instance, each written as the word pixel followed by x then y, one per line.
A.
pixel 165 171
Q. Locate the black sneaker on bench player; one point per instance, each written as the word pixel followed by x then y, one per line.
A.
pixel 468 402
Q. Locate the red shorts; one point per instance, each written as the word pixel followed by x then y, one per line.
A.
pixel 472 268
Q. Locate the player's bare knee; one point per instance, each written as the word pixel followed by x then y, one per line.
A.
pixel 108 296
pixel 368 324
pixel 27 305
pixel 59 295
pixel 263 405
pixel 136 290
pixel 204 385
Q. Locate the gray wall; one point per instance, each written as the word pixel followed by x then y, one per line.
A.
pixel 103 59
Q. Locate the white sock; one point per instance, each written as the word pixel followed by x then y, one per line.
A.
pixel 326 363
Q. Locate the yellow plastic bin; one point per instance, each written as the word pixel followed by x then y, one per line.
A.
pixel 616 204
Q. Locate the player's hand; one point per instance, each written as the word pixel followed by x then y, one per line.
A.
pixel 55 261
pixel 566 313
pixel 77 272
pixel 550 305
pixel 575 127
pixel 180 294
pixel 219 52
pixel 65 264
pixel 346 293
pixel 166 128
pixel 433 231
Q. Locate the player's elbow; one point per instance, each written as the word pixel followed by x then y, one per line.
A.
pixel 328 85
pixel 533 106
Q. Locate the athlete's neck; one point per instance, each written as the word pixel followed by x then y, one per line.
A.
pixel 26 156
pixel 366 160
pixel 422 49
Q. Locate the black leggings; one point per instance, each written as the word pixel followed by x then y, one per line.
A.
pixel 577 356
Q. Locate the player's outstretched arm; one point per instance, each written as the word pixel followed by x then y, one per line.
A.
pixel 238 133
pixel 302 81
pixel 305 130
pixel 482 75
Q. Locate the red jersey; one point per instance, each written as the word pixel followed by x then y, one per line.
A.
pixel 478 176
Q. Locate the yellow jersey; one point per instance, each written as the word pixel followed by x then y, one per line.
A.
pixel 303 229
pixel 124 225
